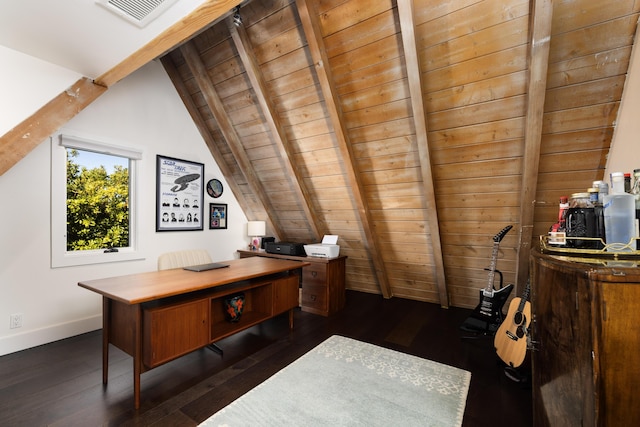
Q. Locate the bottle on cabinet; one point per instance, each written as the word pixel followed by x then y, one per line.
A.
pixel 619 216
pixel 557 231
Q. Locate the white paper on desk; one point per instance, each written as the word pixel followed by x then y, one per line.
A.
pixel 330 239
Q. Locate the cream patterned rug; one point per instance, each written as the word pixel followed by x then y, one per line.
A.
pixel 344 382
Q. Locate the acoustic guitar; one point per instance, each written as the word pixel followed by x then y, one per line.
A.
pixel 511 337
pixel 487 316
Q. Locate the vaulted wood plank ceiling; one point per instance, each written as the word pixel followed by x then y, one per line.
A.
pixel 414 130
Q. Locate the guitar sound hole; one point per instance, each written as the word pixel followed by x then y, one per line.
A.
pixel 518 318
pixel 520 332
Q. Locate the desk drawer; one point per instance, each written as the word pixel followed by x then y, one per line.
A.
pixel 315 274
pixel 314 297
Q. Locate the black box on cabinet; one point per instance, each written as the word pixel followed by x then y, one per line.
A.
pixel 285 248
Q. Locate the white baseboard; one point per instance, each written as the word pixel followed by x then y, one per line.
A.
pixel 34 338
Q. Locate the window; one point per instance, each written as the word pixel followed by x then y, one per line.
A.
pixel 93 202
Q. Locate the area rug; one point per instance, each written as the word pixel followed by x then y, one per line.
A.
pixel 344 382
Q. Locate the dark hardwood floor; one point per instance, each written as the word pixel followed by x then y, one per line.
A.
pixel 60 384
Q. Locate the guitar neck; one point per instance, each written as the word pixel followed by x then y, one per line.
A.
pixel 525 297
pixel 492 266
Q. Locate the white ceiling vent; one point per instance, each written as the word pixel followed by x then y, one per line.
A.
pixel 138 12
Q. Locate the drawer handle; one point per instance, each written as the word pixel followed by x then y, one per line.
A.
pixel 314 273
pixel 313 297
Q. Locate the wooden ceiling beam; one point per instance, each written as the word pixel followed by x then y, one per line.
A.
pixel 206 134
pixel 414 78
pixel 309 17
pixel 199 71
pixel 202 17
pixel 20 140
pixel 539 40
pixel 247 56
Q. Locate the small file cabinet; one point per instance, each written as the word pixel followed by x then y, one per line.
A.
pixel 323 281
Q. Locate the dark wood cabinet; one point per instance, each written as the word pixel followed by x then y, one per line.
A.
pixel 586 335
pixel 181 328
pixel 323 281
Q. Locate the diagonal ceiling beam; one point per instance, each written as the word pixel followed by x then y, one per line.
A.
pixel 414 77
pixel 245 50
pixel 20 140
pixel 203 16
pixel 308 16
pixel 208 137
pixel 539 40
pixel 214 103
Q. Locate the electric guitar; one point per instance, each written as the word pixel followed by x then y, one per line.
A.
pixel 511 338
pixel 487 316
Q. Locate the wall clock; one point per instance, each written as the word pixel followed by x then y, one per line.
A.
pixel 214 188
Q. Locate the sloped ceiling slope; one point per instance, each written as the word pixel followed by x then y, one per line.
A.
pixel 414 130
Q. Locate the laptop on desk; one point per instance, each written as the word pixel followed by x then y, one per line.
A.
pixel 205 267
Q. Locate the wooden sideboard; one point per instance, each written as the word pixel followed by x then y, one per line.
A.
pixel 158 316
pixel 323 281
pixel 586 335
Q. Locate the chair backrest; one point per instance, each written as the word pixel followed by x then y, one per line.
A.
pixel 184 258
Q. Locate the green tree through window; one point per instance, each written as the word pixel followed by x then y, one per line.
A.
pixel 97 202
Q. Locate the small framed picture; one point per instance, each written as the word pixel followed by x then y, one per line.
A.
pixel 217 216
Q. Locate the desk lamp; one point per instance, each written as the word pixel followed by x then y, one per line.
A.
pixel 255 230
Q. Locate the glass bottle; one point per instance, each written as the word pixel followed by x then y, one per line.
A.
pixel 619 216
pixel 557 232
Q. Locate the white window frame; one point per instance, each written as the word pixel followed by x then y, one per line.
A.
pixel 60 256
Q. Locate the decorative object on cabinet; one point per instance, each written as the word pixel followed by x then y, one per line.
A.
pixel 255 230
pixel 217 216
pixel 179 194
pixel 323 281
pixel 234 304
pixel 585 335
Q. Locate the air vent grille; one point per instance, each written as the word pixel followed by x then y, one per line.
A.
pixel 139 12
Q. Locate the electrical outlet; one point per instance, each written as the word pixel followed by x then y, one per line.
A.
pixel 15 321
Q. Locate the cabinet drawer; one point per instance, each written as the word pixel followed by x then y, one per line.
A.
pixel 315 274
pixel 314 297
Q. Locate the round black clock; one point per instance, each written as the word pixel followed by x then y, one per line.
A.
pixel 214 188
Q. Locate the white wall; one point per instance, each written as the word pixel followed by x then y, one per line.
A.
pixel 26 84
pixel 143 110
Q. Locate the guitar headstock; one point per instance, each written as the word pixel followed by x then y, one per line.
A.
pixel 498 237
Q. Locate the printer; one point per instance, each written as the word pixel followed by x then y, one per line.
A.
pixel 327 249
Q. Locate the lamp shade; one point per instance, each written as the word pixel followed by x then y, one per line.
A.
pixel 256 228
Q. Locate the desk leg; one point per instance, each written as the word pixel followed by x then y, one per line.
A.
pixel 291 319
pixel 106 316
pixel 137 357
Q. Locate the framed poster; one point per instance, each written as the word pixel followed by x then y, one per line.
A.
pixel 217 216
pixel 179 194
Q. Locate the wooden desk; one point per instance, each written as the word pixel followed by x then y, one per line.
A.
pixel 158 316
